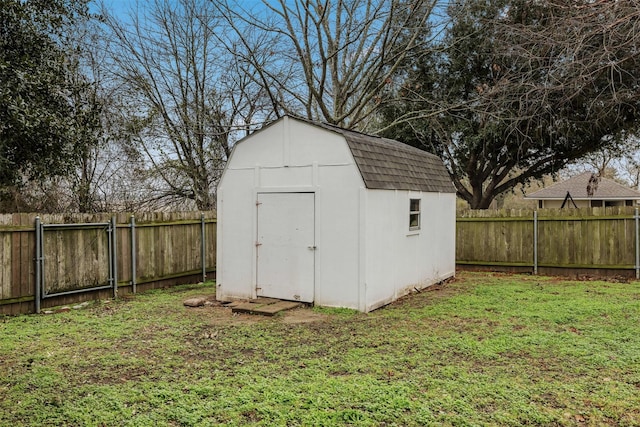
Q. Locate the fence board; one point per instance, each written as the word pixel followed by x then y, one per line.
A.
pixel 16 261
pixel 211 235
pixel 123 244
pixel 5 264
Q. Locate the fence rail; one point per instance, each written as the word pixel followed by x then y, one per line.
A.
pixel 69 259
pixel 551 241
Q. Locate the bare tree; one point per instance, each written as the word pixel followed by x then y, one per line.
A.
pixel 620 162
pixel 105 163
pixel 581 60
pixel 327 60
pixel 521 89
pixel 631 171
pixel 628 163
pixel 184 98
pixel 78 190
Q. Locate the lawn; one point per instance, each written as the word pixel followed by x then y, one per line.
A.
pixel 485 349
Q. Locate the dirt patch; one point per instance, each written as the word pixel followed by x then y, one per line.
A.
pixel 429 295
pixel 218 313
pixel 302 315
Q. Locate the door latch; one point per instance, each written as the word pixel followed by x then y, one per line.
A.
pixel 313 248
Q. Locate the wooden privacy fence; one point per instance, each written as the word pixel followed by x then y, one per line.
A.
pixel 79 260
pixel 596 241
pixel 51 260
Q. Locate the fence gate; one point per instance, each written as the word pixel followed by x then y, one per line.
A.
pixel 83 259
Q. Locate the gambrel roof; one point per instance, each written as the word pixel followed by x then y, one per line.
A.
pixel 607 189
pixel 388 164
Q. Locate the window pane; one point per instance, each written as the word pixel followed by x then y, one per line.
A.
pixel 414 220
pixel 414 205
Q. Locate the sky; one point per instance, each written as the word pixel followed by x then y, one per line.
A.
pixel 119 8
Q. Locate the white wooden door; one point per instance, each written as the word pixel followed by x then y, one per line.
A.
pixel 286 246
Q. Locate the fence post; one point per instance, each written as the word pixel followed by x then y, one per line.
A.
pixel 637 220
pixel 38 263
pixel 535 242
pixel 114 256
pixel 203 254
pixel 132 226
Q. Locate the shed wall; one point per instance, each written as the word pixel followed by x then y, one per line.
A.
pixel 337 237
pixel 290 156
pixel 399 259
pixel 235 269
pixel 290 143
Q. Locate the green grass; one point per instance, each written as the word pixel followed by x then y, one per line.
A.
pixel 487 349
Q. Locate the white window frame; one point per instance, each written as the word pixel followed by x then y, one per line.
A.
pixel 413 213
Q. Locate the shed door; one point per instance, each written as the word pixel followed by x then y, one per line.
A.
pixel 286 246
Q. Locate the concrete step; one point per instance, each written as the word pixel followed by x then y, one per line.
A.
pixel 268 308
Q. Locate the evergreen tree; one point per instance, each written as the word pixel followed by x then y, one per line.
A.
pixel 41 131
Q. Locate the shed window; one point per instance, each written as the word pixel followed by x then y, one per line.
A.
pixel 414 214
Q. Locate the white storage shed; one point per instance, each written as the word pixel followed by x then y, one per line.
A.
pixel 314 213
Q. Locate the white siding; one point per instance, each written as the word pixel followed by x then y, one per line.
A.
pixel 287 157
pixel 290 143
pixel 399 259
pixel 337 237
pixel 235 269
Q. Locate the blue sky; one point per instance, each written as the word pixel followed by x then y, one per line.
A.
pixel 119 8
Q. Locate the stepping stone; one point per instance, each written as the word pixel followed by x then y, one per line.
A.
pixel 268 309
pixel 271 309
pixel 245 307
pixel 194 302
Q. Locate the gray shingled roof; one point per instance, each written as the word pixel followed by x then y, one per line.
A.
pixel 577 187
pixel 391 165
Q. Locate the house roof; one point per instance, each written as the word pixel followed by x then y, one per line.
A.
pixel 388 164
pixel 607 189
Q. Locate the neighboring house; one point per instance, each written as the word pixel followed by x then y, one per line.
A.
pixel 585 190
pixel 319 214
